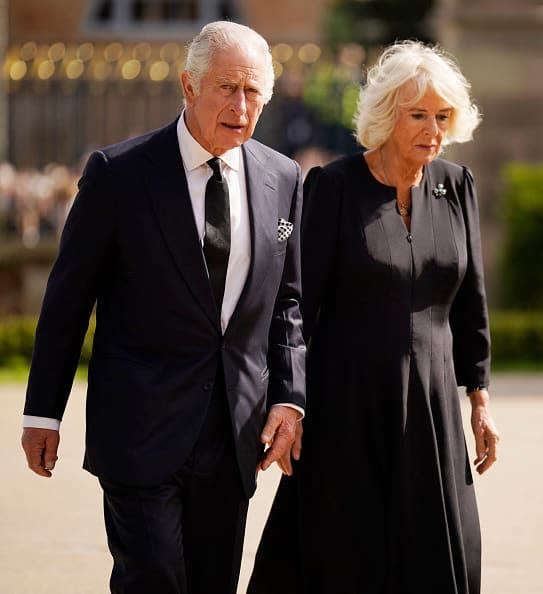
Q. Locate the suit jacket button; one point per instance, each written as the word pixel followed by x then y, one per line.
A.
pixel 207 386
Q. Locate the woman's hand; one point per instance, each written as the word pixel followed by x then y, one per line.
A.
pixel 484 429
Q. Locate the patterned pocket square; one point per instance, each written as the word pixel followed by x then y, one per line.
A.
pixel 284 229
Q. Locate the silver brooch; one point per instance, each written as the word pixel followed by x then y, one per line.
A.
pixel 439 191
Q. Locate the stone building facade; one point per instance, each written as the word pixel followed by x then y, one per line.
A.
pixel 499 44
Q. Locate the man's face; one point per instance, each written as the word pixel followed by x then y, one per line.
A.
pixel 224 113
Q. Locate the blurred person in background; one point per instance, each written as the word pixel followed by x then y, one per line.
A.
pixel 187 240
pixel 34 204
pixel 8 183
pixel 395 318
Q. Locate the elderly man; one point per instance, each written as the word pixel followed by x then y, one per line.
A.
pixel 186 239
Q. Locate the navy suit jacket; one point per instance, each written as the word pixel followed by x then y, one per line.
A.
pixel 130 247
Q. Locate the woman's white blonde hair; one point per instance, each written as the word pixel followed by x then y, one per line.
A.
pixel 219 36
pixel 423 66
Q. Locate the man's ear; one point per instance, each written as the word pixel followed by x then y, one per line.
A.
pixel 187 86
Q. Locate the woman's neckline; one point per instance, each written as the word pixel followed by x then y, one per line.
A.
pixel 385 185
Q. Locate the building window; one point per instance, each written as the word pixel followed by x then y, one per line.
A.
pixel 162 17
pixel 163 11
pixel 104 11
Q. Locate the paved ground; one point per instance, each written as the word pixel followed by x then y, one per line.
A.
pixel 52 539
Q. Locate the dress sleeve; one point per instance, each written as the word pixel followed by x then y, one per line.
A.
pixel 469 313
pixel 320 222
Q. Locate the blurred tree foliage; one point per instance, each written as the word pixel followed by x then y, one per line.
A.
pixel 522 281
pixel 517 339
pixel 333 92
pixel 353 31
pixel 374 23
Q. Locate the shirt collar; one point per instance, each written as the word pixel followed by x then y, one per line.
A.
pixel 194 154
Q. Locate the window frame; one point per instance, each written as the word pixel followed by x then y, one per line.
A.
pixel 122 25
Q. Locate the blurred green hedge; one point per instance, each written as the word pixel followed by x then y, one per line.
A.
pixel 517 340
pixel 13 254
pixel 17 340
pixel 522 281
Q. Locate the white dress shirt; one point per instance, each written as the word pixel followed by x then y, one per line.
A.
pixel 194 158
pixel 198 172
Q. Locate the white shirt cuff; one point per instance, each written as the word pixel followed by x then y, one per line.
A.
pixel 41 422
pixel 294 406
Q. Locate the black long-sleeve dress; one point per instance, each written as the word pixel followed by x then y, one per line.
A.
pixel 382 501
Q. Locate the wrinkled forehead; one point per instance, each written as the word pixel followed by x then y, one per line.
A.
pixel 239 62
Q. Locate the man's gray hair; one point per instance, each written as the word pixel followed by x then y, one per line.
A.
pixel 218 36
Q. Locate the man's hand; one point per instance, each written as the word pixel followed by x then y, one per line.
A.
pixel 283 435
pixel 285 462
pixel 40 446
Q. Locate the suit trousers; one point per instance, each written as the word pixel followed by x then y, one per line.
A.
pixel 183 536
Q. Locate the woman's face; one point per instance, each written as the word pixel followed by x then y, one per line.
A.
pixel 420 127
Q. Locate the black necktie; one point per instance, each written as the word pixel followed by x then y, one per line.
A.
pixel 217 231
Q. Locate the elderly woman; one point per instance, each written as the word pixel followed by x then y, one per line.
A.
pixel 382 500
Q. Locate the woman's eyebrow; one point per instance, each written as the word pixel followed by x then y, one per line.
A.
pixel 424 109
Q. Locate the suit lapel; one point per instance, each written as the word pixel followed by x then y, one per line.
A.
pixel 263 217
pixel 167 186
